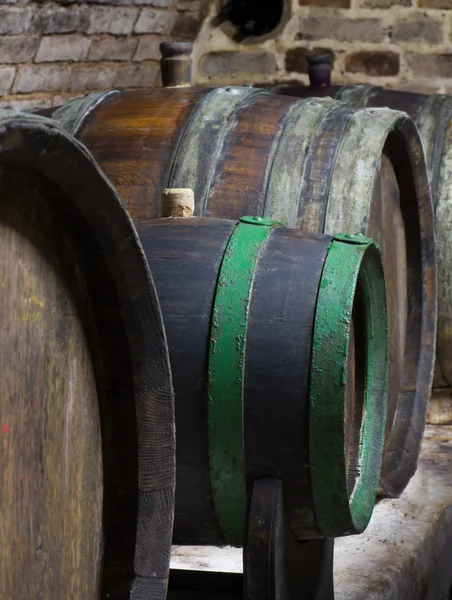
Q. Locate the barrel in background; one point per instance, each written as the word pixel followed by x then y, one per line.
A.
pixel 87 494
pixel 432 115
pixel 313 164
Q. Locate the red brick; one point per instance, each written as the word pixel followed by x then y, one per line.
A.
pixel 331 3
pixel 341 29
pixel 418 28
pixel 430 65
pixel 376 63
pixel 434 4
pixel 384 3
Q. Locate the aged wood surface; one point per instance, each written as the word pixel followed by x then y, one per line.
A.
pixel 440 407
pixel 87 497
pixel 185 257
pixel 216 572
pixel 51 460
pixel 432 115
pixel 272 557
pixel 137 157
pixel 264 576
pixel 246 151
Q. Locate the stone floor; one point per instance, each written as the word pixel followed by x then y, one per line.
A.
pixel 406 551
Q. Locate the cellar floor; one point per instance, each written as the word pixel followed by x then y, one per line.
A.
pixel 404 554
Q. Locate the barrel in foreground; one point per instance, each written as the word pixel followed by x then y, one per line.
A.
pixel 245 305
pixel 87 496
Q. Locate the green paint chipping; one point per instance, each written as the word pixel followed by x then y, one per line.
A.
pixel 353 263
pixel 226 373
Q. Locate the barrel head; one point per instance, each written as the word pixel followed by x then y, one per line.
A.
pixel 86 501
pixel 51 460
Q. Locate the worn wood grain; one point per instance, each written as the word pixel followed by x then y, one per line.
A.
pixel 313 164
pixel 264 552
pixel 372 177
pixel 272 557
pixel 432 115
pixel 79 369
pixel 127 154
pixel 279 352
pixel 51 459
pixel 406 551
pixel 185 256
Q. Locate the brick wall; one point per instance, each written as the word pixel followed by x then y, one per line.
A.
pixel 403 44
pixel 52 51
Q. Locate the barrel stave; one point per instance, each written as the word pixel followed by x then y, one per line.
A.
pixel 432 115
pixel 45 425
pixel 239 178
pixel 135 142
pixel 277 368
pixel 184 261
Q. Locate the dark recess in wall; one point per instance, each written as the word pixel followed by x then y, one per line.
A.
pixel 251 18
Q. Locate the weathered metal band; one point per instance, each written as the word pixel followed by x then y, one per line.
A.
pixel 201 144
pixel 355 95
pixel 226 374
pixel 433 124
pixel 351 261
pixel 287 175
pixel 72 115
pixel 352 186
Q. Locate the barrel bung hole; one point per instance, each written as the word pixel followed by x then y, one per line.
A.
pixel 251 18
pixel 354 409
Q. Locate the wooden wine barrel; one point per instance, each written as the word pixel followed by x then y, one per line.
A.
pixel 314 164
pixel 86 501
pixel 278 349
pixel 433 117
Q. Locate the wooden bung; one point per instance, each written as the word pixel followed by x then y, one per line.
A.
pixel 178 202
pixel 313 164
pixel 176 64
pixel 87 412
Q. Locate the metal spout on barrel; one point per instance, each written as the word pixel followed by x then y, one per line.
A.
pixel 319 70
pixel 176 63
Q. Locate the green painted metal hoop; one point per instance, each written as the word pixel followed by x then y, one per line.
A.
pixel 226 373
pixel 351 261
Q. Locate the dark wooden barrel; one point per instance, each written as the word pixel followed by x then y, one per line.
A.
pixel 314 164
pixel 433 117
pixel 278 349
pixel 86 501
